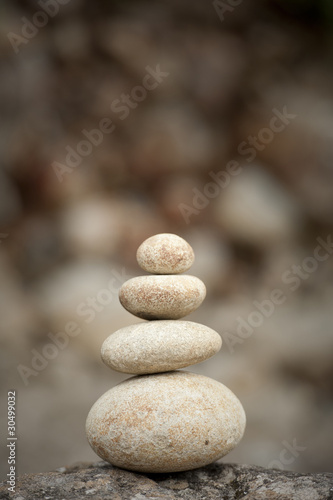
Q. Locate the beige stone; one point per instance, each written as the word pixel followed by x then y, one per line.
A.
pixel 159 346
pixel 162 297
pixel 165 254
pixel 166 422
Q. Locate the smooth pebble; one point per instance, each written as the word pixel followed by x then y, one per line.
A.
pixel 165 254
pixel 162 297
pixel 159 346
pixel 167 422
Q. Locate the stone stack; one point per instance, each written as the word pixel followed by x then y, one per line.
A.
pixel 162 420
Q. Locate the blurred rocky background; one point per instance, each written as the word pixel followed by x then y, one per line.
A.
pixel 69 233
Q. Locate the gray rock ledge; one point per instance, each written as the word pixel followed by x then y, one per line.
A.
pixel 217 481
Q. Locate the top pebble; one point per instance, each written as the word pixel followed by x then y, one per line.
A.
pixel 165 254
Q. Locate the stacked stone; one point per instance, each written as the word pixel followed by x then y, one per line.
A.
pixel 162 420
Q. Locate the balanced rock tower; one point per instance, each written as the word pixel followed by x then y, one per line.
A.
pixel 163 420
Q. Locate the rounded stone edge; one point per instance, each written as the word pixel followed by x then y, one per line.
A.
pixel 122 368
pixel 148 470
pixel 150 316
pixel 182 266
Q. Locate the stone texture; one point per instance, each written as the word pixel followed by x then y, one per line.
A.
pixel 101 481
pixel 165 254
pixel 159 346
pixel 166 422
pixel 162 297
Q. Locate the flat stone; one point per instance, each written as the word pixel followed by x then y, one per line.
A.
pixel 162 297
pixel 159 346
pixel 165 254
pixel 167 422
pixel 216 481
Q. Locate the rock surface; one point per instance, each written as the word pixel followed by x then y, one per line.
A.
pixel 162 297
pixel 159 346
pixel 165 254
pixel 101 481
pixel 166 422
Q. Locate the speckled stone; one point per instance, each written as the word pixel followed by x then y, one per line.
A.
pixel 167 422
pixel 165 254
pixel 162 297
pixel 159 346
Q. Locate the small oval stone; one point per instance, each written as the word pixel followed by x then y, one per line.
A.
pixel 165 254
pixel 162 297
pixel 159 346
pixel 167 422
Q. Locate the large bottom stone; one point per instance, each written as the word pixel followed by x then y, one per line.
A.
pixel 166 422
